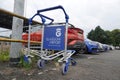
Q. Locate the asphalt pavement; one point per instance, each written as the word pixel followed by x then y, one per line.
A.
pixel 101 66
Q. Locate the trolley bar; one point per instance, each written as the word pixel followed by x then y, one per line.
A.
pixel 16 15
pixel 20 41
pixel 52 8
pixel 42 17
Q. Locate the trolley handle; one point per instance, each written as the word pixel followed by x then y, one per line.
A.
pixel 53 8
pixel 43 20
pixel 42 17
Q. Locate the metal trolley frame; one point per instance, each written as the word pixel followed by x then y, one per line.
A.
pixel 43 53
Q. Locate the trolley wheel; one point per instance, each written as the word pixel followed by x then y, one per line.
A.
pixel 73 62
pixel 41 63
pixel 27 59
pixel 65 66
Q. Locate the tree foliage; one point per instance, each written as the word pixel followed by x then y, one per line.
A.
pixel 116 37
pixel 90 34
pixel 106 37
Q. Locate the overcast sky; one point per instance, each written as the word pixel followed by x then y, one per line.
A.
pixel 84 14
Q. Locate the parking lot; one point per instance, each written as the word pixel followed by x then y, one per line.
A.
pixel 102 66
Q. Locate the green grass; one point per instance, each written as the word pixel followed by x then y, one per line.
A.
pixel 23 63
pixel 4 56
pixel 28 65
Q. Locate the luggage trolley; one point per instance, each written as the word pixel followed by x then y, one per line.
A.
pixel 54 37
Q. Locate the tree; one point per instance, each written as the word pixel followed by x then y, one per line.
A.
pixel 106 37
pixel 116 37
pixel 109 39
pixel 91 35
pixel 97 35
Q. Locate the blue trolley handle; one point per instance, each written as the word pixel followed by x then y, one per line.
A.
pixel 48 9
pixel 42 18
pixel 53 8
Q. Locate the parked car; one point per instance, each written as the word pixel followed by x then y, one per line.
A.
pixel 75 37
pixel 105 47
pixel 112 47
pixel 100 47
pixel 91 46
pixel 117 47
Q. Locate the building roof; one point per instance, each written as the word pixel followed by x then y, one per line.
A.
pixel 6 19
pixel 4 37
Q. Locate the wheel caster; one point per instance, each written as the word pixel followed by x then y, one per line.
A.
pixel 27 59
pixel 73 62
pixel 65 67
pixel 41 63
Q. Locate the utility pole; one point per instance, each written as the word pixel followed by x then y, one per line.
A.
pixel 17 29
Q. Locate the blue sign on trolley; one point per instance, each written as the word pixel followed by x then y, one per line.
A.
pixel 54 37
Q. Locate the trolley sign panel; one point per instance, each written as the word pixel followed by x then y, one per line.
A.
pixel 54 37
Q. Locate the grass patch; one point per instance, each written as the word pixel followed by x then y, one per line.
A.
pixel 29 63
pixel 4 56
